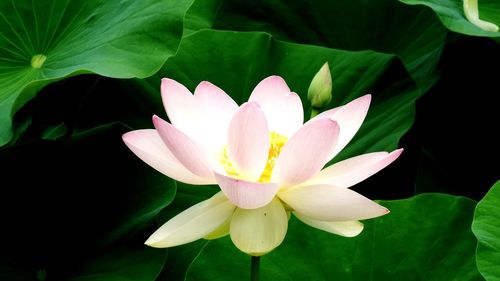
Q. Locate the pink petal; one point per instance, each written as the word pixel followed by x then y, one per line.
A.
pixel 217 110
pixel 354 170
pixel 187 151
pixel 248 141
pixel 331 203
pixel 283 108
pixel 245 194
pixel 306 152
pixel 343 228
pixel 149 147
pixel 181 106
pixel 349 117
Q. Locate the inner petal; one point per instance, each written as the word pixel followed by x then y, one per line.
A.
pixel 277 141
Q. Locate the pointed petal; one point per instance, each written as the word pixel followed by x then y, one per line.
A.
pixel 248 141
pixel 306 152
pixel 220 231
pixel 283 108
pixel 331 203
pixel 217 109
pixel 181 107
pixel 194 223
pixel 150 148
pixel 349 117
pixel 246 194
pixel 187 151
pixel 351 171
pixel 258 231
pixel 342 228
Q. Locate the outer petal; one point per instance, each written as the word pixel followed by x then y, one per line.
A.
pixel 248 140
pixel 349 117
pixel 343 228
pixel 182 109
pixel 331 203
pixel 187 151
pixel 306 152
pixel 351 171
pixel 258 231
pixel 283 108
pixel 246 194
pixel 194 223
pixel 149 147
pixel 217 109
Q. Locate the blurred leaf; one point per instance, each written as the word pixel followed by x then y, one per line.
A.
pixel 237 61
pixel 451 14
pixel 130 263
pixel 486 227
pixel 426 237
pixel 412 33
pixel 55 132
pixel 44 41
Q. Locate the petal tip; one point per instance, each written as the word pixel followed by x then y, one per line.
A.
pixel 332 124
pixel 366 98
pixel 151 242
pixel 398 152
pixel 126 136
pixel 253 105
pixel 204 84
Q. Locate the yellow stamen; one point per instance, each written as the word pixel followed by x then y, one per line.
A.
pixel 277 141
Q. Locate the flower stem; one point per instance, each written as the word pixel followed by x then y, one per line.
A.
pixel 255 269
pixel 314 112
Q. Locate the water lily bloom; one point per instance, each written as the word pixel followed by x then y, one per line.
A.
pixel 267 163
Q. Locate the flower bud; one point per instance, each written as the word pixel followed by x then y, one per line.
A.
pixel 320 90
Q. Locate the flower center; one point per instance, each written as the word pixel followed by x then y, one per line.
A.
pixel 38 60
pixel 277 141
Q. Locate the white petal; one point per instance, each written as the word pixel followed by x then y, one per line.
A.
pixel 181 107
pixel 192 155
pixel 283 108
pixel 258 231
pixel 351 171
pixel 331 203
pixel 342 228
pixel 248 141
pixel 149 147
pixel 246 194
pixel 220 231
pixel 217 110
pixel 306 152
pixel 194 223
pixel 349 117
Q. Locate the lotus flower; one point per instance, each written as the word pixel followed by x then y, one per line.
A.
pixel 267 163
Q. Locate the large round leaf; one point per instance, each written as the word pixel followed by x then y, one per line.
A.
pixel 486 227
pixel 426 237
pixel 236 62
pixel 413 33
pixel 42 41
pixel 451 14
